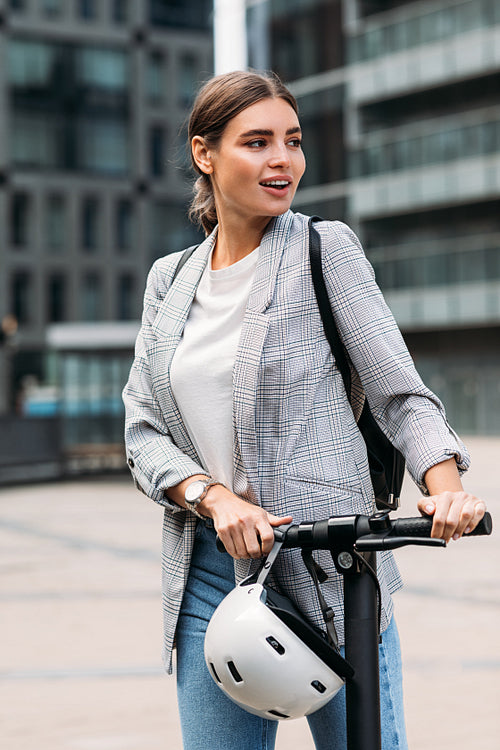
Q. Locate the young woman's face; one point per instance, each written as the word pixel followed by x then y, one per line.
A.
pixel 258 164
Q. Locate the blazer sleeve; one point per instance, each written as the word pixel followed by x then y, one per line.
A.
pixel 155 461
pixel 411 416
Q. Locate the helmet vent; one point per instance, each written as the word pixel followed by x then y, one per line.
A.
pixel 234 672
pixel 275 644
pixel 278 714
pixel 317 685
pixel 214 672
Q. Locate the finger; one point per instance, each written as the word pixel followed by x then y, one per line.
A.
pixel 278 520
pixel 227 541
pixel 252 540
pixel 232 539
pixel 443 525
pixel 426 506
pixel 479 511
pixel 454 510
pixel 467 514
pixel 266 538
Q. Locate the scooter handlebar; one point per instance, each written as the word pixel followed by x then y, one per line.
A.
pixel 421 526
pixel 322 534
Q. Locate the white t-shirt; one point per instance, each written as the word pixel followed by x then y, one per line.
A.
pixel 202 367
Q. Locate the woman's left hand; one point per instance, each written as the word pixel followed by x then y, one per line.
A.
pixel 454 513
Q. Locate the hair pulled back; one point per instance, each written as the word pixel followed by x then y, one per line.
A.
pixel 218 101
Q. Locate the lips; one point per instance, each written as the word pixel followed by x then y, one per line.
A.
pixel 277 183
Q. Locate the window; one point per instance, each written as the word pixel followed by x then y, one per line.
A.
pixel 125 297
pixel 437 269
pixel 36 139
pixel 51 8
pixel 55 223
pixel 91 297
pixel 492 262
pixel 195 14
pixel 124 229
pixel 90 224
pixel 157 151
pixel 103 145
pixel 155 77
pixel 30 64
pixel 21 297
pixel 20 209
pixel 168 229
pixel 490 137
pixel 188 80
pixel 468 16
pixel 86 9
pixel 436 26
pixel 56 293
pixel 304 38
pixel 69 107
pixel 119 11
pixel 398 37
pixel 102 68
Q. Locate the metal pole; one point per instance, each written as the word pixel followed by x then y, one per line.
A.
pixel 361 651
pixel 230 37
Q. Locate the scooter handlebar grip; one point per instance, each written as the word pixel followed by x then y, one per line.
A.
pixel 484 527
pixel 422 526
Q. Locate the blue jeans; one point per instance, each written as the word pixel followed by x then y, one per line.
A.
pixel 210 721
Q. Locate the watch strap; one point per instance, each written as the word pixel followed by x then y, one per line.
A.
pixel 192 505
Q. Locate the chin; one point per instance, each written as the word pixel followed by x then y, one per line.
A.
pixel 278 210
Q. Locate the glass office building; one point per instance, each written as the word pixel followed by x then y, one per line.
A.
pixel 401 115
pixel 93 177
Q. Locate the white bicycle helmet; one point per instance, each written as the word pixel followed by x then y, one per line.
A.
pixel 266 657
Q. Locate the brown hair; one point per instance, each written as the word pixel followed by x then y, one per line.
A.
pixel 219 100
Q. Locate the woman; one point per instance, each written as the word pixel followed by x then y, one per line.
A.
pixel 237 418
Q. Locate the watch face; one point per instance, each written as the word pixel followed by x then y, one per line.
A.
pixel 194 490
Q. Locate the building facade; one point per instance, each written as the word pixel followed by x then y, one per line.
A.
pixel 401 113
pixel 94 185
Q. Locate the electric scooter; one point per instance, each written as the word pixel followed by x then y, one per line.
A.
pixel 353 542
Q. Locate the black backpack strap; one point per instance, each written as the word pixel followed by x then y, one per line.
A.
pixel 387 465
pixel 324 306
pixel 183 259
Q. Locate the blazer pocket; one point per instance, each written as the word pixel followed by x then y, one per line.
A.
pixel 309 499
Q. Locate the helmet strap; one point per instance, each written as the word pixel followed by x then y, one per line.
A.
pixel 279 536
pixel 318 576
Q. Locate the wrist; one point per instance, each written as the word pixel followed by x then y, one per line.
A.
pixel 443 477
pixel 212 497
pixel 196 492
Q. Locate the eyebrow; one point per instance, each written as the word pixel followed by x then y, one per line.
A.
pixel 257 131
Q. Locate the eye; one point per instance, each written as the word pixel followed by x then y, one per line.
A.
pixel 295 143
pixel 257 143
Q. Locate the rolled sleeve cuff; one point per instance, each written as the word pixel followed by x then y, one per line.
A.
pixel 455 449
pixel 160 482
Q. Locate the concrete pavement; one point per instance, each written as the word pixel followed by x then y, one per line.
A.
pixel 80 624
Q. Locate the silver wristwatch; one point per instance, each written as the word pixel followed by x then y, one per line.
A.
pixel 196 492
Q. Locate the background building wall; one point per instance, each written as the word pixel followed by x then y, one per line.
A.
pixel 94 180
pixel 401 117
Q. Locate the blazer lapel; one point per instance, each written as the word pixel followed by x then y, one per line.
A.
pixel 248 356
pixel 271 249
pixel 174 309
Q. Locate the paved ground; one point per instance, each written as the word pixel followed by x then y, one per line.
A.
pixel 80 625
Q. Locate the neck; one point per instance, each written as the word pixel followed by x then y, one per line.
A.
pixel 235 242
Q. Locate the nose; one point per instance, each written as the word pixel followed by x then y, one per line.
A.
pixel 279 156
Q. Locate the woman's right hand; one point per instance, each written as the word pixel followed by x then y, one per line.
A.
pixel 246 530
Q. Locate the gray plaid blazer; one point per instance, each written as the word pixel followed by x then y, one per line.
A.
pixel 298 450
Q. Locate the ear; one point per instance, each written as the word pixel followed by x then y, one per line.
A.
pixel 201 154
